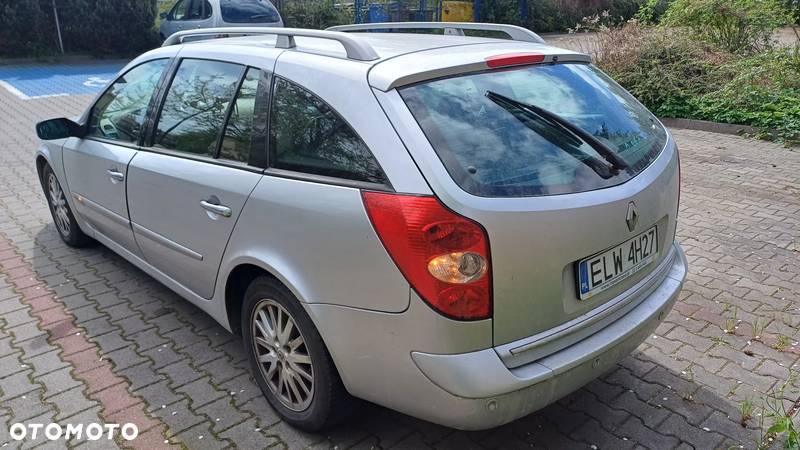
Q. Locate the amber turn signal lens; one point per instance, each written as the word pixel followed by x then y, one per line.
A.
pixel 457 267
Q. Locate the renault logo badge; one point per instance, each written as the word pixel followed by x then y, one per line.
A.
pixel 632 217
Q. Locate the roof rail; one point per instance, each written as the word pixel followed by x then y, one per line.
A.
pixel 450 28
pixel 355 48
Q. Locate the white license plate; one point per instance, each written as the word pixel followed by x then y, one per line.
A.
pixel 605 269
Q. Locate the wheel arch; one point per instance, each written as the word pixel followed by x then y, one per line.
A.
pixel 235 286
pixel 40 162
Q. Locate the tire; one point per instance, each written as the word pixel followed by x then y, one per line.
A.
pixel 309 407
pixel 63 218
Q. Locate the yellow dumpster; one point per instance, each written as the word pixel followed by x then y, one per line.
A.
pixel 456 11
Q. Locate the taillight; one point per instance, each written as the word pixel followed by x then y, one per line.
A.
pixel 444 256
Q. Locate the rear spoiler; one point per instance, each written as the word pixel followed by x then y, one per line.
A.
pixel 463 59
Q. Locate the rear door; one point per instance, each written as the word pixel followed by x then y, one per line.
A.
pixel 579 175
pixel 97 165
pixel 188 187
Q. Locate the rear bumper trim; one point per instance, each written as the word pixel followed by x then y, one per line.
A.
pixel 533 348
pixel 482 374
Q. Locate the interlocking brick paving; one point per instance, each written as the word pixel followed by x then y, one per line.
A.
pixel 143 354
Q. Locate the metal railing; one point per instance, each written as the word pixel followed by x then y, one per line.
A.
pixel 450 28
pixel 354 47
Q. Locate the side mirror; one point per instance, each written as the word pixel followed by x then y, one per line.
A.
pixel 163 16
pixel 60 128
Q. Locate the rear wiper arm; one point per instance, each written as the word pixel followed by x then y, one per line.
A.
pixel 563 126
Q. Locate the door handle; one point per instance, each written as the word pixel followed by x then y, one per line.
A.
pixel 115 175
pixel 221 210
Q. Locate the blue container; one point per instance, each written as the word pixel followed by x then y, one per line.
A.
pixel 377 13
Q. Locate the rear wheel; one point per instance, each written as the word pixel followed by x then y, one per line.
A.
pixel 64 220
pixel 289 359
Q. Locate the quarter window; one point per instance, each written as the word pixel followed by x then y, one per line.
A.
pixel 306 135
pixel 194 110
pixel 120 113
pixel 238 138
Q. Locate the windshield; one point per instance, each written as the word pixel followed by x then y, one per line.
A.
pixel 537 130
pixel 248 11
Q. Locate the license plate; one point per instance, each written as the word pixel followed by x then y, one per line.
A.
pixel 605 269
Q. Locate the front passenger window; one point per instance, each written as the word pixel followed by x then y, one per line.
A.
pixel 119 114
pixel 180 10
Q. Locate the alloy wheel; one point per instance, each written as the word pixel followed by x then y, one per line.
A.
pixel 282 355
pixel 59 204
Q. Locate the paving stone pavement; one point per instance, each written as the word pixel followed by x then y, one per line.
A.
pixel 86 337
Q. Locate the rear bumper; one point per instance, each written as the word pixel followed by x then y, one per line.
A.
pixel 478 391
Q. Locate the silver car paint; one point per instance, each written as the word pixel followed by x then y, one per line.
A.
pixel 168 27
pixel 174 231
pixel 443 370
pixel 100 193
pixel 386 342
pixel 324 249
pixel 536 240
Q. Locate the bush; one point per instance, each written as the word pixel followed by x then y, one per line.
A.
pixel 762 91
pixel 665 71
pixel 26 28
pixel 675 75
pixel 99 27
pixel 557 15
pixel 317 14
pixel 102 27
pixel 793 6
pixel 652 11
pixel 735 25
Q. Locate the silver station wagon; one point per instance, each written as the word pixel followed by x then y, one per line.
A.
pixel 460 228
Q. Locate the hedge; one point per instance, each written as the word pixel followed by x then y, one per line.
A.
pixel 99 27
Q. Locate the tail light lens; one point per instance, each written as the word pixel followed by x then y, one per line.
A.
pixel 444 256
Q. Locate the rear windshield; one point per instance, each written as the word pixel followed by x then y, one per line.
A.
pixel 536 130
pixel 248 11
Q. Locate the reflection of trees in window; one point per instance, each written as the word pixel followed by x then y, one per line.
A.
pixel 307 136
pixel 120 112
pixel 239 130
pixel 195 107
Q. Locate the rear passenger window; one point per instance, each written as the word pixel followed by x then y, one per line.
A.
pixel 306 135
pixel 194 110
pixel 238 136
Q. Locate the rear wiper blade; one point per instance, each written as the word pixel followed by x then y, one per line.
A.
pixel 569 134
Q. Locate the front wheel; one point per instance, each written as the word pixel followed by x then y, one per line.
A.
pixel 290 362
pixel 63 218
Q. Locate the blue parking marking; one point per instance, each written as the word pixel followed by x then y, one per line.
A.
pixel 32 81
